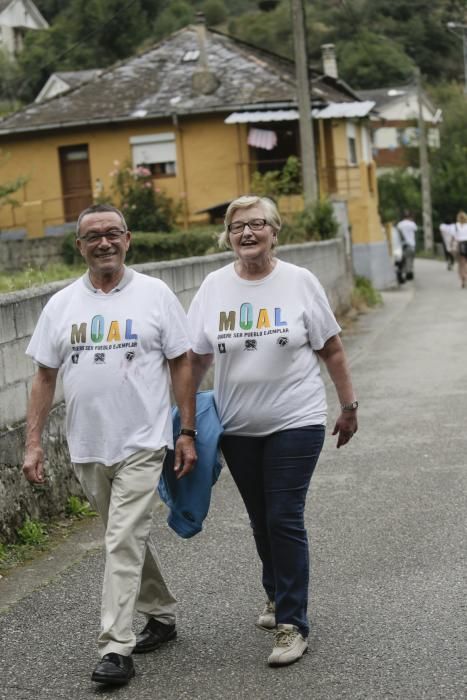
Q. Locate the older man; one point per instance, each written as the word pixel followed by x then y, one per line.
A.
pixel 116 335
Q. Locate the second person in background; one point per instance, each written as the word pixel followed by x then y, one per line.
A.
pixel 265 323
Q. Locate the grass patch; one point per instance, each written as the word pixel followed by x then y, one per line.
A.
pixel 35 277
pixel 364 295
pixel 78 508
pixel 35 537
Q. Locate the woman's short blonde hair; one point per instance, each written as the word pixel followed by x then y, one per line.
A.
pixel 271 215
pixel 462 217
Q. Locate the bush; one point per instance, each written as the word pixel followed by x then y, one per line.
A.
pixel 317 222
pixel 152 247
pixel 145 206
pixel 275 183
pixel 364 294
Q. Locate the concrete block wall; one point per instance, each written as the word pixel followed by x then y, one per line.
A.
pixel 19 312
pixel 38 252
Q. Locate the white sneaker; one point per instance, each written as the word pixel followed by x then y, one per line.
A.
pixel 267 619
pixel 289 646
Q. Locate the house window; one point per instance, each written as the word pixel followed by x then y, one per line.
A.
pixel 157 152
pixel 351 143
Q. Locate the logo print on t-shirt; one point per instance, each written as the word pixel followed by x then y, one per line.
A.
pixel 282 340
pixel 99 358
pixel 75 358
pixel 251 344
pixel 221 347
pixel 130 355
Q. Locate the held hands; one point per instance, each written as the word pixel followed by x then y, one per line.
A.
pixel 185 455
pixel 346 426
pixel 33 465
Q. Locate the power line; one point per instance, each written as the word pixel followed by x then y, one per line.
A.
pixel 58 58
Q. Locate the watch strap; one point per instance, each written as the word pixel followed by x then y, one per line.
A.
pixel 350 406
pixel 188 431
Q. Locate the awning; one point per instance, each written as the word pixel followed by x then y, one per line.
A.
pixel 334 110
pixel 343 110
pixel 272 115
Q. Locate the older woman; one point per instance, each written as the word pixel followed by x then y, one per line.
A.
pixel 266 322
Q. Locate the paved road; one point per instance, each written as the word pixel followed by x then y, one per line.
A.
pixel 386 519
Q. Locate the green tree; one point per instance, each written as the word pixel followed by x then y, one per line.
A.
pixel 448 163
pixel 176 15
pixel 9 73
pixel 214 11
pixel 399 191
pixel 367 57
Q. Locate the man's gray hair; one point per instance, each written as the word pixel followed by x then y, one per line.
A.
pixel 98 209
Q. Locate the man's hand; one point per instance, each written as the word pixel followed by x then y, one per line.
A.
pixel 346 426
pixel 33 465
pixel 185 455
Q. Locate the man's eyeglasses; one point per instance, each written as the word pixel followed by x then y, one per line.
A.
pixel 112 236
pixel 253 225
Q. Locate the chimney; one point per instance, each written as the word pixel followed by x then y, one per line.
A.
pixel 329 60
pixel 204 81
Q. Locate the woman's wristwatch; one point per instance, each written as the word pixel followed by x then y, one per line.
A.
pixel 350 406
pixel 188 431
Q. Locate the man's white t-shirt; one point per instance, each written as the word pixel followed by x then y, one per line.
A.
pixel 408 228
pixel 448 233
pixel 112 351
pixel 263 334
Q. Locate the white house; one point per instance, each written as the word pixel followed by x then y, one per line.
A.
pixel 16 18
pixel 396 126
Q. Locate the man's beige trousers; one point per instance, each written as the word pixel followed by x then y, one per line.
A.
pixel 125 495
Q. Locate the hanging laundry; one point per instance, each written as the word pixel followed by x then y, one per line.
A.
pixel 262 138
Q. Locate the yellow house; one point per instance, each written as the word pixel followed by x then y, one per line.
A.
pixel 202 111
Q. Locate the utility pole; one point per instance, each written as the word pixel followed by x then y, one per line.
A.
pixel 307 147
pixel 424 170
pixel 453 26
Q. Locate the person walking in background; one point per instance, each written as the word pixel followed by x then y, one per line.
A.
pixel 266 323
pixel 448 240
pixel 116 335
pixel 460 236
pixel 408 229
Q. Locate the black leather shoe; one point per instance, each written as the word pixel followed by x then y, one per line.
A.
pixel 153 635
pixel 114 669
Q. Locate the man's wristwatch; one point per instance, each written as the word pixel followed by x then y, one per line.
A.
pixel 188 431
pixel 350 406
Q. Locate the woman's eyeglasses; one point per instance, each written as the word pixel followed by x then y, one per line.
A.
pixel 253 225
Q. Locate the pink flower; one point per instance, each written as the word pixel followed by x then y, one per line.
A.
pixel 142 171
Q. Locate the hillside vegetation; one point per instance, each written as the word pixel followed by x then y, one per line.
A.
pixel 375 39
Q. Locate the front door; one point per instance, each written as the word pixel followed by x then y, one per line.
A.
pixel 76 180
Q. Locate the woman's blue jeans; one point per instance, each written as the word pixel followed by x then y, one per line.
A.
pixel 273 474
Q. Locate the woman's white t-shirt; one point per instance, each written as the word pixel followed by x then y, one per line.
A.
pixel 112 350
pixel 263 334
pixel 460 232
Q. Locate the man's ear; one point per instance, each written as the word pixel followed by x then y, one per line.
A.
pixel 79 245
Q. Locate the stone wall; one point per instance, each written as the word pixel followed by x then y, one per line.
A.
pixel 19 312
pixel 36 252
